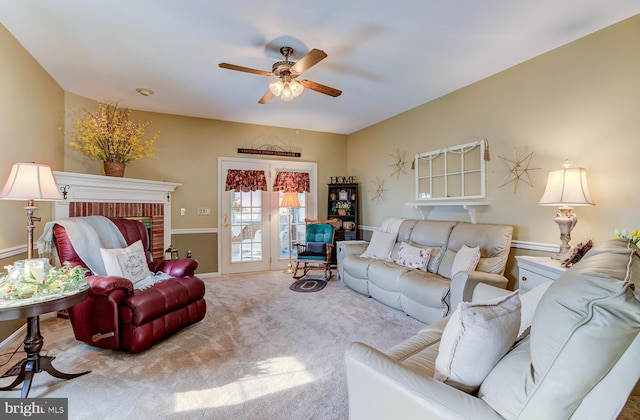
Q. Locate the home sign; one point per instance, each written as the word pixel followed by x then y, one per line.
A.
pixel 344 180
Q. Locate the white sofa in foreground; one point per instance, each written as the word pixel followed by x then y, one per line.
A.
pixel 579 359
pixel 426 292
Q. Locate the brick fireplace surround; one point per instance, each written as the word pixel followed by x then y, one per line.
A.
pixel 90 195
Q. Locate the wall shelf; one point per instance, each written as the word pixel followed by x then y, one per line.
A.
pixel 469 206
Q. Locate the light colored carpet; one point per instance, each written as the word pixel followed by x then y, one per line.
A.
pixel 262 352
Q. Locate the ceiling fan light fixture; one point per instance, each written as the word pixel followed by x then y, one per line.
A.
pixel 296 88
pixel 276 87
pixel 287 94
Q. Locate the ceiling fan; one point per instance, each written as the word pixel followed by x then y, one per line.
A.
pixel 287 87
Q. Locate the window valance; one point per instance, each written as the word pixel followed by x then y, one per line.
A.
pixel 245 180
pixel 291 182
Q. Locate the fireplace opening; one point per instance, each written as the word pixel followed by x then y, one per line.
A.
pixel 148 224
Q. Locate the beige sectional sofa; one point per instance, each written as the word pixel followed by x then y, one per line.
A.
pixel 428 294
pixel 577 358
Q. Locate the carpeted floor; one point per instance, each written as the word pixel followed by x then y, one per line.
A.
pixel 262 352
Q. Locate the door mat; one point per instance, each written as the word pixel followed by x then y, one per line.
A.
pixel 307 286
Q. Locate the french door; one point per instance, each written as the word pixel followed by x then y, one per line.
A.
pixel 254 232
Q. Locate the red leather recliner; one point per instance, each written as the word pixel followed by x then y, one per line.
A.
pixel 114 316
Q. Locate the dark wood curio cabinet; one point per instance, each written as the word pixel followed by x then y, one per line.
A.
pixel 342 204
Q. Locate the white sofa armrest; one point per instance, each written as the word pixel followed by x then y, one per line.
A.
pixel 381 388
pixel 345 248
pixel 353 247
pixel 464 283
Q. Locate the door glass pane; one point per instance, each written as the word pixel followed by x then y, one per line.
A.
pixel 246 226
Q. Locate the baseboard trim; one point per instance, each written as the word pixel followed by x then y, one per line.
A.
pixel 9 341
pixel 13 251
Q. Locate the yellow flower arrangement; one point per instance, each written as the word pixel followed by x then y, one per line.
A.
pixel 634 235
pixel 110 135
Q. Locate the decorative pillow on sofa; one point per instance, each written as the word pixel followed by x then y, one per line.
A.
pixel 413 256
pixel 476 337
pixel 466 260
pixel 381 245
pixel 529 303
pixel 129 262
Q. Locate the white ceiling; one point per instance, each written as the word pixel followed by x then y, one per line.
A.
pixel 386 56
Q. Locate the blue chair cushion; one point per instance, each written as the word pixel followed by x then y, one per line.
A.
pixel 319 232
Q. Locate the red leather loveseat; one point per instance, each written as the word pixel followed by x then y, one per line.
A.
pixel 114 316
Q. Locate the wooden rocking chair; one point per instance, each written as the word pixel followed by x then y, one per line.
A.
pixel 316 253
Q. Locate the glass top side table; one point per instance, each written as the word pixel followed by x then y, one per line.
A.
pixel 33 342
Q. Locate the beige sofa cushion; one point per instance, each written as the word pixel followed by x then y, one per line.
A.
pixel 494 242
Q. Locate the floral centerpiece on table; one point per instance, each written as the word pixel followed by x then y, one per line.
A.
pixel 634 235
pixel 345 206
pixel 110 135
pixel 20 285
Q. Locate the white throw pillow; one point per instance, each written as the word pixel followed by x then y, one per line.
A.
pixel 381 245
pixel 413 256
pixel 529 302
pixel 466 260
pixel 476 337
pixel 129 262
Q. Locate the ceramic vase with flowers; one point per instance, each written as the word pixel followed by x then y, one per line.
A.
pixel 111 136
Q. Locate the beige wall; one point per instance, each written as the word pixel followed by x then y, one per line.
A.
pixel 31 118
pixel 578 102
pixel 187 152
pixel 31 115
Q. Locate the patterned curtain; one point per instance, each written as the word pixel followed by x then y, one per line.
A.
pixel 292 181
pixel 245 180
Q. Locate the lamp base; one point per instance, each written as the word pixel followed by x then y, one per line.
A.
pixel 289 269
pixel 566 222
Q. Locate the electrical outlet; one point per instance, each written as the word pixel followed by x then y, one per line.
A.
pixel 183 211
pixel 204 211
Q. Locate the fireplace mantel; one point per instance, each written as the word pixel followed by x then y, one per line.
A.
pixel 106 189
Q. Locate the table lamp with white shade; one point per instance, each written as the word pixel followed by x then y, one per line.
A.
pixel 566 188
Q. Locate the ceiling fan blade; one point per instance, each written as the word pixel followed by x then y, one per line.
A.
pixel 266 98
pixel 308 84
pixel 244 69
pixel 312 58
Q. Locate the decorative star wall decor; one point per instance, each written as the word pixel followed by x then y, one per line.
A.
pixel 400 163
pixel 518 170
pixel 377 188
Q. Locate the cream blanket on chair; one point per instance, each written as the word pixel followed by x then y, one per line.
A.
pixel 87 235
